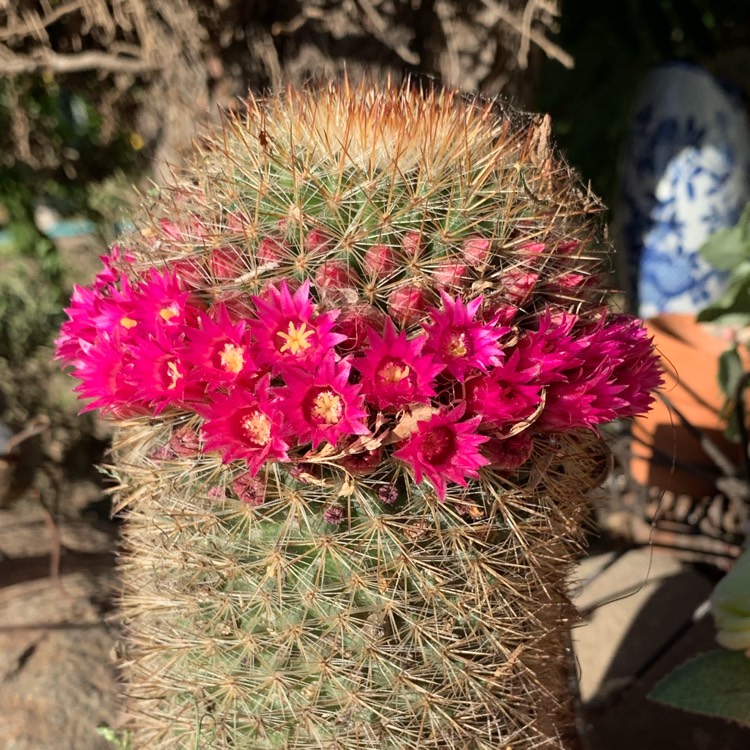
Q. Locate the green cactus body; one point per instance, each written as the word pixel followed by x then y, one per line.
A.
pixel 332 601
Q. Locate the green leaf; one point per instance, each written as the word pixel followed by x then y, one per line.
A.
pixel 730 371
pixel 734 304
pixel 725 249
pixel 730 602
pixel 713 684
pixel 735 585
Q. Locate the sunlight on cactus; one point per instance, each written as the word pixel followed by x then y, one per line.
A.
pixel 357 356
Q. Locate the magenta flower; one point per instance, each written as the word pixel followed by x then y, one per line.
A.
pixel 553 347
pixel 618 372
pixel 246 424
pixel 162 305
pixel 106 311
pixel 288 332
pixel 161 372
pixel 111 273
pixel 444 450
pixel 105 369
pixel 80 327
pixel 320 404
pixel 394 371
pixel 219 350
pixel 504 397
pixel 459 341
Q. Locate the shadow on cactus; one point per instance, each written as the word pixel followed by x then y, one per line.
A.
pixel 358 357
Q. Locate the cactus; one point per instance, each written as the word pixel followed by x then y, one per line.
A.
pixel 357 356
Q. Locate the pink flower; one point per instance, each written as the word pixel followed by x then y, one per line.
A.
pixel 395 373
pixel 80 327
pixel 461 342
pixel 94 312
pixel 553 347
pixel 288 331
pixel 320 404
pixel 218 350
pixel 246 424
pixel 615 379
pixel 161 304
pixel 500 310
pixel 444 450
pixel 105 369
pixel 160 374
pixel 504 397
pixel 111 273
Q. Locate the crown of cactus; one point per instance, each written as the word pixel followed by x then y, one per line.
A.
pixel 357 355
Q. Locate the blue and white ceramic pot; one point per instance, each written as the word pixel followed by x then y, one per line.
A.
pixel 686 174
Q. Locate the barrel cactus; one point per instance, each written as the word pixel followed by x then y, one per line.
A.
pixel 357 356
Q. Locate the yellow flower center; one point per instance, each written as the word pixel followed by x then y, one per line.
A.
pixel 328 407
pixel 392 372
pixel 257 427
pixel 128 322
pixel 455 346
pixel 174 375
pixel 296 339
pixel 167 313
pixel 232 359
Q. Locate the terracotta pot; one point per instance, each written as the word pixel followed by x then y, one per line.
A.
pixel 665 452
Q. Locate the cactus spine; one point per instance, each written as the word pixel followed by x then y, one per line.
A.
pixel 345 589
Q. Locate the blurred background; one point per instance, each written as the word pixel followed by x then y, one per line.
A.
pixel 100 99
